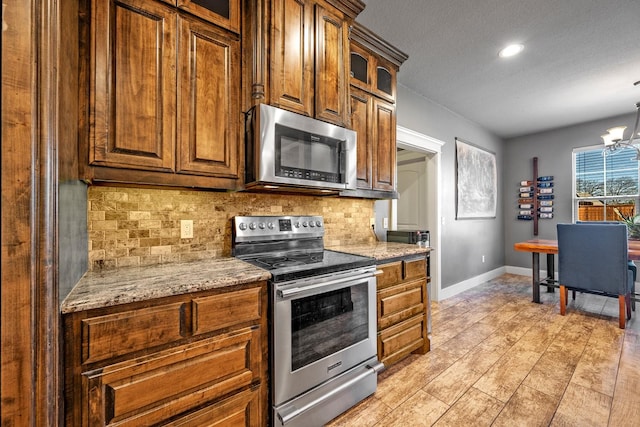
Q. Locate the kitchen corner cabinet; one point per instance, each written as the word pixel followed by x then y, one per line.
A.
pixel 402 306
pixel 164 87
pixel 197 359
pixel 307 43
pixel 374 66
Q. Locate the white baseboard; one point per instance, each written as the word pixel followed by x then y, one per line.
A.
pixel 523 271
pixel 465 285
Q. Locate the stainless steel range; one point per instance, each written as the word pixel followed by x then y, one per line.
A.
pixel 322 318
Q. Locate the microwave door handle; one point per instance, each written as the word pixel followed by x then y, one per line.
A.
pixel 343 159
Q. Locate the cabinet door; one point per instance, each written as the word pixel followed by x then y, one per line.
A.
pixel 361 110
pixel 157 387
pixel 291 52
pixel 332 58
pixel 132 85
pixel 384 77
pixel 225 13
pixel 209 119
pixel 384 151
pixel 361 66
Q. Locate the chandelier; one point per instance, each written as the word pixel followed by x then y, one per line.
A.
pixel 614 138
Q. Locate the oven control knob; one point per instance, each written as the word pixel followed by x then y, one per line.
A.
pixel 304 223
pixel 252 226
pixel 270 226
pixel 242 226
pixel 312 224
pixel 318 224
pixel 261 226
pixel 297 224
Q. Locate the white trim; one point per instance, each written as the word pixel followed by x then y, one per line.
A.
pixel 407 138
pixel 520 271
pixel 525 271
pixel 471 283
pixel 415 141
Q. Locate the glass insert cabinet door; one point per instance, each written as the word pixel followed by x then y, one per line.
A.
pixel 225 13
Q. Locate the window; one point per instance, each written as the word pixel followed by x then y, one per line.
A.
pixel 606 184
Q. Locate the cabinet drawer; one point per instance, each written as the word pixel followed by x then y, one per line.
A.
pixel 219 311
pixel 391 274
pixel 154 388
pixel 400 302
pixel 415 268
pixel 121 333
pixel 243 409
pixel 398 341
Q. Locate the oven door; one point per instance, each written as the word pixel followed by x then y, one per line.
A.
pixel 321 328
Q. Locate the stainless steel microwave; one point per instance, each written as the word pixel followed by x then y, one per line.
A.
pixel 290 150
pixel 406 236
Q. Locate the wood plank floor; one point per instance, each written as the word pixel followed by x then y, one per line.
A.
pixel 497 359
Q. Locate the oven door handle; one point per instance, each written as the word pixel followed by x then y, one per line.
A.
pixel 290 292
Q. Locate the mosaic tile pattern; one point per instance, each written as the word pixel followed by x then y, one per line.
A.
pixel 141 226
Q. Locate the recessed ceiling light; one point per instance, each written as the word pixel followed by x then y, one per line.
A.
pixel 511 50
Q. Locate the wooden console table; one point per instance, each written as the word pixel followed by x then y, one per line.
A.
pixel 550 248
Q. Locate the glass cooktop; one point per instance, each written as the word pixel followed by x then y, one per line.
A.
pixel 297 265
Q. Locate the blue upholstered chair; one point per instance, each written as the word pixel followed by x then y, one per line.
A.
pixel 630 263
pixel 592 258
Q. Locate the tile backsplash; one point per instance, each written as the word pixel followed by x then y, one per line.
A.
pixel 141 226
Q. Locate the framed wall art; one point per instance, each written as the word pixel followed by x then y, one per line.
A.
pixel 476 182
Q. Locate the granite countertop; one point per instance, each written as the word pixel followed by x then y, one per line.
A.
pixel 382 251
pixel 114 287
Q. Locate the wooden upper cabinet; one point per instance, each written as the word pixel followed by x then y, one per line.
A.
pixel 292 56
pixel 373 73
pixel 361 117
pixel 385 74
pixel 164 99
pixel 209 112
pixel 304 65
pixel 225 13
pixel 132 85
pixel 362 64
pixel 331 67
pixel 374 66
pixel 384 151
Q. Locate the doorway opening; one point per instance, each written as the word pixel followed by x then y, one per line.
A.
pixel 419 193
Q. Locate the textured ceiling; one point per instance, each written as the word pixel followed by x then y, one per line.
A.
pixel 579 64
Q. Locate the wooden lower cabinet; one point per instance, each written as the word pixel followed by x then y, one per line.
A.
pixel 402 306
pixel 182 362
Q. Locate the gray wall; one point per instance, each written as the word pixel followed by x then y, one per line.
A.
pixel 554 151
pixel 73 253
pixel 464 242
